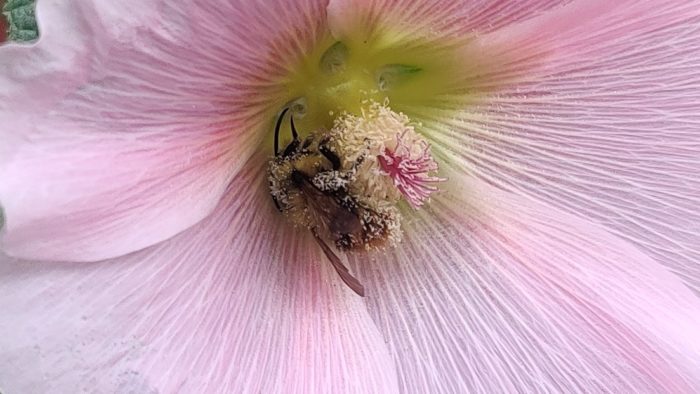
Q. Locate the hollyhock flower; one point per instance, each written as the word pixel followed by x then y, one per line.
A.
pixel 143 253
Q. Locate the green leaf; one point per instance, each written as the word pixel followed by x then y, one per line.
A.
pixel 21 20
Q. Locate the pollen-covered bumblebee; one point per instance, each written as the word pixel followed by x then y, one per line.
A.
pixel 312 186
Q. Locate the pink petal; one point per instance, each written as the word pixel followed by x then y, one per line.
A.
pixel 589 105
pixel 123 125
pixel 237 303
pixel 494 293
pixel 603 122
pixel 449 18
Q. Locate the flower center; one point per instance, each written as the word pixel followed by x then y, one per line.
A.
pixel 345 178
pixel 344 182
pixel 345 162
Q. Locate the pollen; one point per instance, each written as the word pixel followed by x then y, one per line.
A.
pixel 398 163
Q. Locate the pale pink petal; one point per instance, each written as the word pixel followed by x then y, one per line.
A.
pixel 123 125
pixel 446 18
pixel 603 122
pixel 237 303
pixel 591 106
pixel 491 293
pixel 449 31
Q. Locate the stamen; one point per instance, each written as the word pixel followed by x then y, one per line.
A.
pixel 399 160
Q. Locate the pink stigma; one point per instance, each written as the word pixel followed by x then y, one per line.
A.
pixel 410 173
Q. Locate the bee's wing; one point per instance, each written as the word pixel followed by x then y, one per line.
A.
pixel 345 275
pixel 335 218
pixel 333 215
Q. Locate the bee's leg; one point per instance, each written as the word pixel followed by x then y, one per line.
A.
pixel 328 154
pixel 294 145
pixel 277 204
pixel 358 162
pixel 307 142
pixel 277 130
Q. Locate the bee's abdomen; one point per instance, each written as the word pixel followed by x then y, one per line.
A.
pixel 370 229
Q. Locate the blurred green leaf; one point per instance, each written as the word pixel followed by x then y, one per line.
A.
pixel 21 20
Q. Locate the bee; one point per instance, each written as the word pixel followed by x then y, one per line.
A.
pixel 310 185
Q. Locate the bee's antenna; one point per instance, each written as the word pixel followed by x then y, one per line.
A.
pixel 295 135
pixel 277 129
